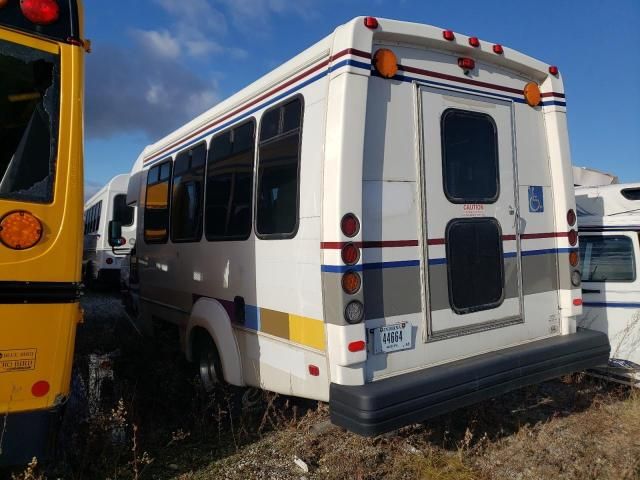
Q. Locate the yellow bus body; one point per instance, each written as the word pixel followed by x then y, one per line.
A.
pixel 37 338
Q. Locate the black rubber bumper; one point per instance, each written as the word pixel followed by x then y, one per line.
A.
pixel 28 435
pixel 385 405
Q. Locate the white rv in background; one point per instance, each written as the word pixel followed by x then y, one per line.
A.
pixel 101 262
pixel 385 222
pixel 609 225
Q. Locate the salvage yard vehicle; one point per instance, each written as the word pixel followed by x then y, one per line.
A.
pixel 609 228
pixel 385 222
pixel 101 262
pixel 41 143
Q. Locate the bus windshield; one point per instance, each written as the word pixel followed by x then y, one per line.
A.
pixel 29 116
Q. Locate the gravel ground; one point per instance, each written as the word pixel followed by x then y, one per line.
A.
pixel 151 420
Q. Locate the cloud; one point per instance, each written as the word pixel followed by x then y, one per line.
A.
pixel 255 16
pixel 142 89
pixel 160 43
pixel 91 187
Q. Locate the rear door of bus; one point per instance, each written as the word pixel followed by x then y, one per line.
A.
pixel 470 214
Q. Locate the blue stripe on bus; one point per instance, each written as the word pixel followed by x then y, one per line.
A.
pixel 369 266
pixel 612 304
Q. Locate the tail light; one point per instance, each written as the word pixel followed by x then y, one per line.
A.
pixel 573 237
pixel 571 217
pixel 20 230
pixel 42 12
pixel 350 254
pixel 350 225
pixel 351 282
pixel 574 258
pixel 354 312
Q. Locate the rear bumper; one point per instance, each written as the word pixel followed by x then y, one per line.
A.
pixel 28 435
pixel 391 403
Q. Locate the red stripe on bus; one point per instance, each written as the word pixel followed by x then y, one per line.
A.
pixel 507 238
pixel 370 244
pixel 552 94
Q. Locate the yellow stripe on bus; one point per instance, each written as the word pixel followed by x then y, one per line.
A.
pixel 303 330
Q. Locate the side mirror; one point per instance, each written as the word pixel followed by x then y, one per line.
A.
pixel 115 233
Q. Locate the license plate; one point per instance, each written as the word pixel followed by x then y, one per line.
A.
pixel 392 338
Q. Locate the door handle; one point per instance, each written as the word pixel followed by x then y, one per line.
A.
pixel 590 290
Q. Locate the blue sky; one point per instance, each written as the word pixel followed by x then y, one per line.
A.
pixel 157 63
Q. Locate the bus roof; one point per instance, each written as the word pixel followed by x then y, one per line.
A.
pixel 353 40
pixel 617 205
pixel 118 183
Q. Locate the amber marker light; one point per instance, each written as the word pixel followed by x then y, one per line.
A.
pixel 385 62
pixel 3 3
pixel 532 94
pixel 351 282
pixel 20 230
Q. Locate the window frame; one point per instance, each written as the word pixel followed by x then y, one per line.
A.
pixel 202 196
pixel 462 201
pixel 479 308
pixel 254 179
pixel 168 160
pixel 628 193
pixel 278 236
pixel 633 257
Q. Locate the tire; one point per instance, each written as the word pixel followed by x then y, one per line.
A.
pixel 209 366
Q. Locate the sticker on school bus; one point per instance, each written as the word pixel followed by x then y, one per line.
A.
pixel 17 360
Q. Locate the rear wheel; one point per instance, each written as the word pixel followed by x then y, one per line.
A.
pixel 209 363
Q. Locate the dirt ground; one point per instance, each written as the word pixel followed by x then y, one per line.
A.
pixel 151 421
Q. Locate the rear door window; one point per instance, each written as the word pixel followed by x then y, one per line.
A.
pixel 122 212
pixel 607 258
pixel 156 209
pixel 475 264
pixel 469 157
pixel 29 111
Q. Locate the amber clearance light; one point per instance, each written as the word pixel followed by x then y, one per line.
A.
pixel 532 94
pixel 385 62
pixel 20 230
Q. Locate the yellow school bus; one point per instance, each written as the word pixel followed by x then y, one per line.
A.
pixel 41 199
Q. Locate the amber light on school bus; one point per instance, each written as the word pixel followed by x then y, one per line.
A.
pixel 42 12
pixel 20 230
pixel 3 3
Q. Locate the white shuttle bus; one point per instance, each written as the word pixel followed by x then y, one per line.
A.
pixel 609 226
pixel 100 261
pixel 385 222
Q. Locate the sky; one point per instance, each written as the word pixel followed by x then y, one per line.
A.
pixel 156 64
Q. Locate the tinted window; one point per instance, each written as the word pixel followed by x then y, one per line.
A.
pixel 29 111
pixel 475 264
pixel 122 212
pixel 229 184
pixel 607 258
pixel 631 193
pixel 188 190
pixel 278 171
pixel 156 208
pixel 469 157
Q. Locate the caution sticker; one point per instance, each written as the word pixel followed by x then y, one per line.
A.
pixel 17 360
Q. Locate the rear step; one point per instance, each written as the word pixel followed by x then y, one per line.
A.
pixel 391 403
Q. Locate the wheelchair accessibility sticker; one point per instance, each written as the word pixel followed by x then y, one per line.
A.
pixel 536 199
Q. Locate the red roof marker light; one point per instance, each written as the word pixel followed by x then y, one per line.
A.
pixel 466 63
pixel 474 42
pixel 553 70
pixel 497 48
pixel 448 35
pixel 371 22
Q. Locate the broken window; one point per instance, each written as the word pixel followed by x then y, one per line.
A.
pixel 29 110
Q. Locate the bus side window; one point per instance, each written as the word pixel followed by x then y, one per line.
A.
pixel 278 171
pixel 187 195
pixel 230 184
pixel 156 209
pixel 607 258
